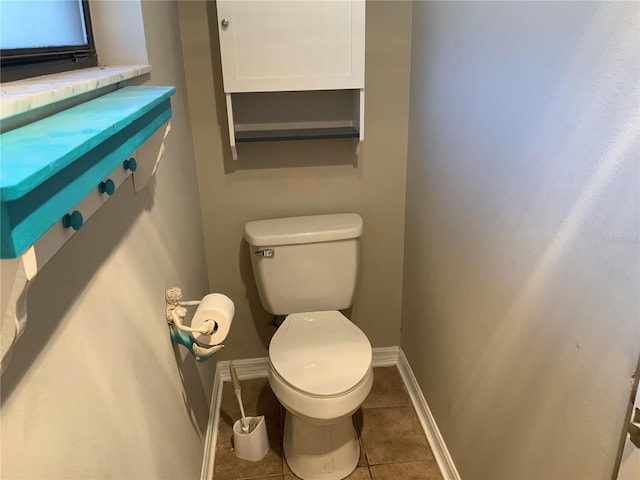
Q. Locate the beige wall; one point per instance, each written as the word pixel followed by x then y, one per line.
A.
pixel 304 177
pixel 95 389
pixel 520 307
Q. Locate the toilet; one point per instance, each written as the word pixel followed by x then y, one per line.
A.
pixel 319 361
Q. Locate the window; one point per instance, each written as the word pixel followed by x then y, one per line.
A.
pixel 44 36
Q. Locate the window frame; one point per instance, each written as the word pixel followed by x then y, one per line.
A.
pixel 20 63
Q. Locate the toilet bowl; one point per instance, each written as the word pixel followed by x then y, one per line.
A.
pixel 320 362
pixel 320 371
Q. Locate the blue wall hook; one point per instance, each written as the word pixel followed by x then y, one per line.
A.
pixel 130 164
pixel 108 187
pixel 73 220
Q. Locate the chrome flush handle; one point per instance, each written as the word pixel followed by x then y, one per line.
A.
pixel 265 252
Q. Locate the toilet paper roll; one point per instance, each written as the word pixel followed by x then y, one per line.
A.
pixel 219 309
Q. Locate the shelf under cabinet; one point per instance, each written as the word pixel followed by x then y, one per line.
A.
pixel 295 134
pixel 295 115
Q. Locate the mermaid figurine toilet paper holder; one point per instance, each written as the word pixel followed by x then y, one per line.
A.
pixel 210 322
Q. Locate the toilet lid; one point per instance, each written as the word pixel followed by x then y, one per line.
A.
pixel 320 353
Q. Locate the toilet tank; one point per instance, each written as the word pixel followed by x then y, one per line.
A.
pixel 305 264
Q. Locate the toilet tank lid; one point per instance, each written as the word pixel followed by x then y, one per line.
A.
pixel 308 229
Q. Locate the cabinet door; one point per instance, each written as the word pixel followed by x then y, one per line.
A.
pixel 272 45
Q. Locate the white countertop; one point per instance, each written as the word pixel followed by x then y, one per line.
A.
pixel 24 95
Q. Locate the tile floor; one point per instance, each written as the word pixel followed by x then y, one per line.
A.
pixel 392 443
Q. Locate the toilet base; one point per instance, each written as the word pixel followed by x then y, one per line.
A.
pixel 320 452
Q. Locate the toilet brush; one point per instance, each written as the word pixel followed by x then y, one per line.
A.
pixel 238 392
pixel 250 438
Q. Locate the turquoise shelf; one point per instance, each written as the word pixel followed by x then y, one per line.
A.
pixel 48 166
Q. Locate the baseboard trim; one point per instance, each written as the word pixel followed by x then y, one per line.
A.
pixel 246 369
pixel 434 437
pixel 211 437
pixel 382 357
pixel 385 356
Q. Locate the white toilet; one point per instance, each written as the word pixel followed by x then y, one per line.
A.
pixel 320 362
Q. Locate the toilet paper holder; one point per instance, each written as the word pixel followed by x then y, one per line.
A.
pixel 175 311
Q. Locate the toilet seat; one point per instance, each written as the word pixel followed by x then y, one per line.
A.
pixel 320 354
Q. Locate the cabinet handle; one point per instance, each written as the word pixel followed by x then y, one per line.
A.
pixel 224 23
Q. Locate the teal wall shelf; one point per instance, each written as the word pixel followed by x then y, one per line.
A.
pixel 48 166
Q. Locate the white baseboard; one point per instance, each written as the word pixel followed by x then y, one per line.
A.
pixel 209 453
pixel 246 369
pixel 382 357
pixel 385 356
pixel 436 442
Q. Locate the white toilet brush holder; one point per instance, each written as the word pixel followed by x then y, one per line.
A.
pixel 254 444
pixel 250 438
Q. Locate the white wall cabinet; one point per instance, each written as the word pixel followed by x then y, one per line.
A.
pixel 282 46
pixel 276 45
